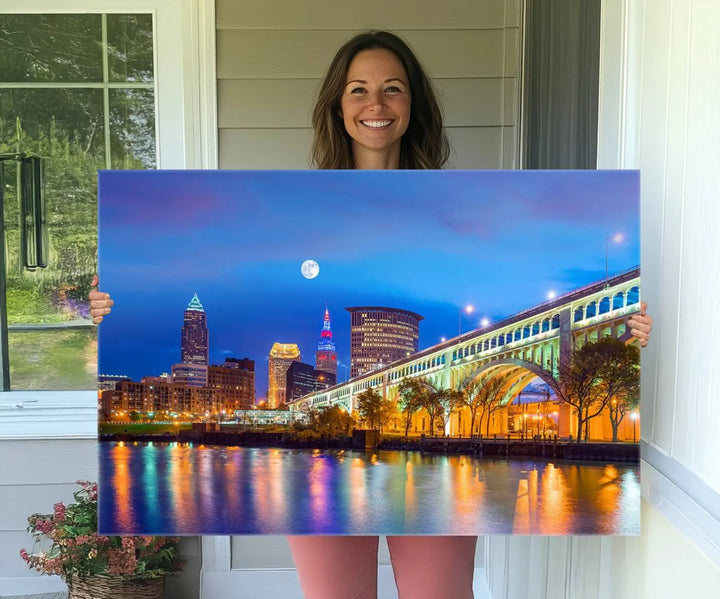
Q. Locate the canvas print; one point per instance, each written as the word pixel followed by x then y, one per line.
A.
pixel 369 352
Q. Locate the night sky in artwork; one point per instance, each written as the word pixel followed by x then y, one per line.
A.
pixel 426 241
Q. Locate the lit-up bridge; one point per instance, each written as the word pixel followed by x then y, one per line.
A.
pixel 524 346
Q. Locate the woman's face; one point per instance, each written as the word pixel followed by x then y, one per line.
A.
pixel 375 103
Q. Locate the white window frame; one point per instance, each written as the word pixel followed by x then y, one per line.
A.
pixel 186 134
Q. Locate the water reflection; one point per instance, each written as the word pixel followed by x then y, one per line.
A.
pixel 179 489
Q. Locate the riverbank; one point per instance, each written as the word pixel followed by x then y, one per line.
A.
pixel 499 448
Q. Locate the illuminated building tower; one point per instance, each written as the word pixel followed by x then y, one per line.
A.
pixel 379 336
pixel 325 356
pixel 280 358
pixel 194 341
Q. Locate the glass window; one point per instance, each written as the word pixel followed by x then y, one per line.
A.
pixel 633 296
pixel 618 300
pixel 556 321
pixel 579 313
pixel 79 91
pixel 590 310
pixel 604 307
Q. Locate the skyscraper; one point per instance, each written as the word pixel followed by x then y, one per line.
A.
pixel 379 336
pixel 280 358
pixel 194 336
pixel 325 356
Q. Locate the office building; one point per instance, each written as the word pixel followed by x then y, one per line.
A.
pixel 325 356
pixel 302 379
pixel 194 334
pixel 380 336
pixel 279 360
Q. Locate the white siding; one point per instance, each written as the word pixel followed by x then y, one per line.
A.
pixel 271 59
pixel 34 475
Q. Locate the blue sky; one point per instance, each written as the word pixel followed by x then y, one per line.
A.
pixel 426 241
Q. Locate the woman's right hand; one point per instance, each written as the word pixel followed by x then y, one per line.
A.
pixel 100 303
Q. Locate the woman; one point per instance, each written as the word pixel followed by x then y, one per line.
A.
pixel 377 110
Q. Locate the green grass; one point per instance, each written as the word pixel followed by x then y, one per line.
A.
pixel 141 428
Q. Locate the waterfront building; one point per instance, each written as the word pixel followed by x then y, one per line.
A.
pixel 380 336
pixel 235 380
pixel 109 381
pixel 279 360
pixel 150 397
pixel 194 334
pixel 325 356
pixel 302 379
pixel 193 375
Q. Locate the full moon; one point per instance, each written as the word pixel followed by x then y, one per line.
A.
pixel 310 269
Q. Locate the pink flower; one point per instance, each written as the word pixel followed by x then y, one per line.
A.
pixel 128 543
pixel 121 561
pixel 59 511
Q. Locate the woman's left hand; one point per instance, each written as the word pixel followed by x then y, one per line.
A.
pixel 641 325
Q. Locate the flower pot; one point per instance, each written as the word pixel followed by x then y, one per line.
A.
pixel 116 587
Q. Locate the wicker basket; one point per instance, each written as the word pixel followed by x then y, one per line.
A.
pixel 116 587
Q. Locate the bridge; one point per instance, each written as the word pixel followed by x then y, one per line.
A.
pixel 526 345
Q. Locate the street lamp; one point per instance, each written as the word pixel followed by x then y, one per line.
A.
pixel 634 416
pixel 551 294
pixel 484 322
pixel 617 238
pixel 468 310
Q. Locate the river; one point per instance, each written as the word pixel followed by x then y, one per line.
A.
pixel 152 488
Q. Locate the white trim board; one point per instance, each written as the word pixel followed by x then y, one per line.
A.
pixel 682 497
pixel 48 415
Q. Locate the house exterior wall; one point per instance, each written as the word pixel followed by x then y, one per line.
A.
pixel 271 58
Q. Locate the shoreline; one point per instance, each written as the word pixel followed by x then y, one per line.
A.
pixel 494 448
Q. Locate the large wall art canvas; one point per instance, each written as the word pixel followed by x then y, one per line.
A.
pixel 357 352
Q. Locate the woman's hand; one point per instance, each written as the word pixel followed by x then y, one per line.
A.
pixel 641 325
pixel 100 302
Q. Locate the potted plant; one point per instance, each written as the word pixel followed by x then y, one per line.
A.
pixel 96 566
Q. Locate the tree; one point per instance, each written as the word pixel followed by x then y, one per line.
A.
pixel 370 407
pixel 438 403
pixel 483 396
pixel 333 421
pixel 410 400
pixel 620 380
pixel 588 377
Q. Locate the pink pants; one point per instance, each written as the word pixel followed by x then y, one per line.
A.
pixel 345 567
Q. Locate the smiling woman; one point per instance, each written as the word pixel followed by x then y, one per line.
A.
pixel 377 109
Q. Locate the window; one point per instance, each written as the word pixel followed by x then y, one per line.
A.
pixel 77 90
pixel 78 87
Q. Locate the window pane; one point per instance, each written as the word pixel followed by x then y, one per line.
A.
pixel 38 48
pixel 51 119
pixel 132 128
pixel 64 126
pixel 53 359
pixel 130 47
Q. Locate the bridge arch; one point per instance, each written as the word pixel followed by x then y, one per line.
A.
pixel 520 372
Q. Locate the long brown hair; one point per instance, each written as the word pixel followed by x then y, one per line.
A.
pixel 424 145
